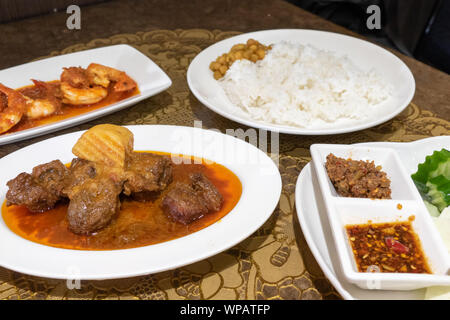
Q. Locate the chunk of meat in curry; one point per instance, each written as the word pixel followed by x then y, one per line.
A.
pixel 94 190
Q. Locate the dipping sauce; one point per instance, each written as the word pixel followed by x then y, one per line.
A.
pixel 357 178
pixel 387 247
pixel 137 224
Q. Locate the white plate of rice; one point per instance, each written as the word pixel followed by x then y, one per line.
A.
pixel 310 83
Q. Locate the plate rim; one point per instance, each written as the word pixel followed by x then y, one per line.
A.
pixel 309 240
pixel 220 247
pixel 294 130
pixel 329 273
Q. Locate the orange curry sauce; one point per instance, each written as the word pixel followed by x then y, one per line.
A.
pixel 137 224
pixel 69 111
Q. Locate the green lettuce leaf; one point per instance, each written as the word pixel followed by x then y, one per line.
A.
pixel 432 179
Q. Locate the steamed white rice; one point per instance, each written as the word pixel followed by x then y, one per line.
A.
pixel 303 86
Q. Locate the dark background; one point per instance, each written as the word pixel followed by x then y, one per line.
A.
pixel 417 28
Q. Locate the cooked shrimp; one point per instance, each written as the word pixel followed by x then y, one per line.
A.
pixel 44 103
pixel 102 75
pixel 76 77
pixel 39 108
pixel 13 110
pixel 79 96
pixel 76 88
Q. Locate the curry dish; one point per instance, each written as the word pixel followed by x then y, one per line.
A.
pixel 138 223
pixel 112 197
pixel 77 91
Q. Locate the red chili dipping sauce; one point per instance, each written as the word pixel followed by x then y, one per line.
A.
pixel 387 247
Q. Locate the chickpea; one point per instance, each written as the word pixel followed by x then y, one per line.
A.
pixel 247 54
pixel 214 65
pixel 223 69
pixel 252 50
pixel 251 41
pixel 239 46
pixel 221 59
pixel 261 53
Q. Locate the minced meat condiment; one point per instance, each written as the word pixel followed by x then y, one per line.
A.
pixel 387 247
pixel 357 178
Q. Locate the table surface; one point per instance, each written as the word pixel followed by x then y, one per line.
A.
pixel 273 263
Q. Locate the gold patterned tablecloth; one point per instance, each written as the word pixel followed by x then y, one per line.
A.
pixel 274 262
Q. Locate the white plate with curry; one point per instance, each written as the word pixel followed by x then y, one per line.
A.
pixel 313 219
pixel 85 100
pixel 141 239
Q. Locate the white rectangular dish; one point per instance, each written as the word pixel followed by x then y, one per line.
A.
pixel 150 78
pixel 343 211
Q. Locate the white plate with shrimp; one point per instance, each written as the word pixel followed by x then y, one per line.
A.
pixel 150 79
